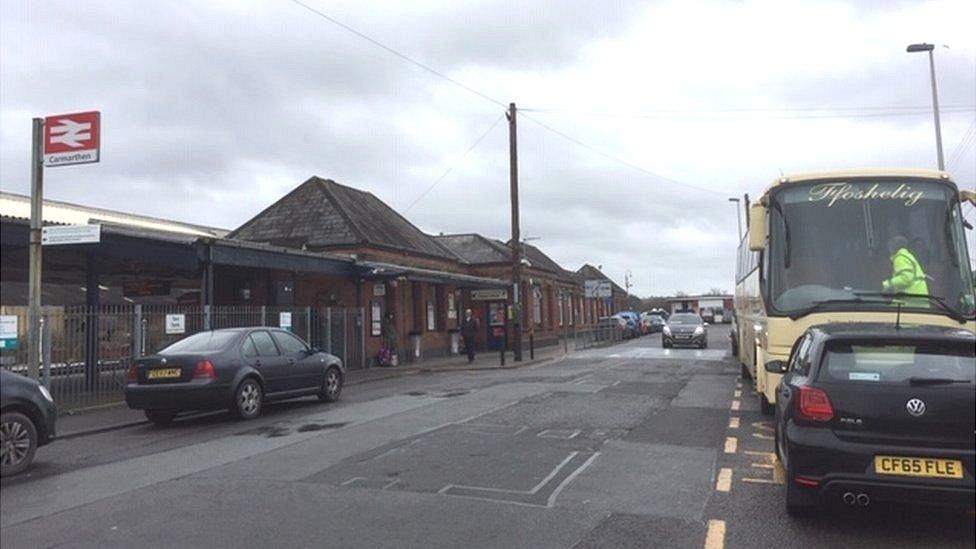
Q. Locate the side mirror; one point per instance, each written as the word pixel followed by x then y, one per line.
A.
pixel 776 366
pixel 757 227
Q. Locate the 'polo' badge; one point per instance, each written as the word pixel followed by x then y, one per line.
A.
pixel 915 407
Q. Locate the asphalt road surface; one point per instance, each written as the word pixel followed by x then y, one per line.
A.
pixel 629 446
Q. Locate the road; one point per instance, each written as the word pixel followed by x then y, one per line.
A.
pixel 628 446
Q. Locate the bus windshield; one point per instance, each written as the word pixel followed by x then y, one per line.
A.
pixel 832 242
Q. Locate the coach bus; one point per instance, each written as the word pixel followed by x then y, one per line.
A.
pixel 817 250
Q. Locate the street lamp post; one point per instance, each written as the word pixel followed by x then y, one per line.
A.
pixel 738 215
pixel 935 97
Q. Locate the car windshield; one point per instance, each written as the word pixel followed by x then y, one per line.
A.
pixel 203 342
pixel 830 242
pixel 685 319
pixel 899 363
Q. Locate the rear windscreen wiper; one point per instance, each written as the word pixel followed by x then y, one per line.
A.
pixel 935 381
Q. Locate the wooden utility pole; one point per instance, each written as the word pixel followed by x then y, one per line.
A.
pixel 35 254
pixel 515 242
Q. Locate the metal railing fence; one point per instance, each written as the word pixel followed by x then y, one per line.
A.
pixel 86 352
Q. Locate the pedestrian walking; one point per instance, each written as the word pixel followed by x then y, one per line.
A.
pixel 469 331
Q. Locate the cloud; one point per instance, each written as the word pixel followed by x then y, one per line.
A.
pixel 213 110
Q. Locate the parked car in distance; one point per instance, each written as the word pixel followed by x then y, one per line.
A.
pixel 237 368
pixel 27 421
pixel 653 322
pixel 633 323
pixel 873 412
pixel 685 329
pixel 612 327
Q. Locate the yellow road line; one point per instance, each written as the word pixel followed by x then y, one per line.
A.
pixel 762 436
pixel 737 393
pixel 724 483
pixel 731 443
pixel 733 423
pixel 763 465
pixel 735 405
pixel 769 455
pixel 715 539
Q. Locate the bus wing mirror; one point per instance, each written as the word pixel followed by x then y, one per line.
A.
pixel 968 196
pixel 776 367
pixel 757 227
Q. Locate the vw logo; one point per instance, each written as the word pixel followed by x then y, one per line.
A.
pixel 915 407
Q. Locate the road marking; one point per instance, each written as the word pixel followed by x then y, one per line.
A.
pixel 769 455
pixel 715 539
pixel 762 436
pixel 559 433
pixel 731 443
pixel 733 423
pixel 760 480
pixel 567 480
pixel 724 483
pixel 738 393
pixel 352 480
pixel 763 465
pixel 392 482
pixel 735 405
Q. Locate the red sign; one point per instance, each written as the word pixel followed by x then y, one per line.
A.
pixel 72 138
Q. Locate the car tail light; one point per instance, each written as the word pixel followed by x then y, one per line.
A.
pixel 204 370
pixel 133 374
pixel 814 405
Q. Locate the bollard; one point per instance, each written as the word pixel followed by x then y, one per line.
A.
pixel 501 356
pixel 531 347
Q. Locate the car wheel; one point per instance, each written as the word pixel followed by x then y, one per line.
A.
pixel 331 385
pixel 160 417
pixel 18 442
pixel 248 399
pixel 764 405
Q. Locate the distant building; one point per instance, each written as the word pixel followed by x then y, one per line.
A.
pixel 713 308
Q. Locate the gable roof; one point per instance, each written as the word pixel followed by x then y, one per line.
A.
pixel 589 272
pixel 476 249
pixel 321 214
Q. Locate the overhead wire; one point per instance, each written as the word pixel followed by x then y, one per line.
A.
pixel 458 161
pixel 398 54
pixel 967 139
pixel 616 159
pixel 738 114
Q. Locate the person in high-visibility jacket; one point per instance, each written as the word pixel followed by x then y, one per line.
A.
pixel 907 274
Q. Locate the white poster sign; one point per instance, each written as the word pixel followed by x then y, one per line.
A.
pixel 175 324
pixel 284 321
pixel 598 288
pixel 8 331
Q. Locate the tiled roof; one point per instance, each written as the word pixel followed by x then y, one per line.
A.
pixel 476 249
pixel 322 214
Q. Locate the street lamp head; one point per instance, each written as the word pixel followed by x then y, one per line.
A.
pixel 919 47
pixel 733 200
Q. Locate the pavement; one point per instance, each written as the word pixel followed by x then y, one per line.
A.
pixel 109 417
pixel 627 446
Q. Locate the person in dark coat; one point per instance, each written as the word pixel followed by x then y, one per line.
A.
pixel 469 331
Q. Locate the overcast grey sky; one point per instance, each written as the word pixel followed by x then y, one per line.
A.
pixel 211 110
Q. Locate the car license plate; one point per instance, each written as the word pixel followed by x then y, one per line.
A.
pixel 164 373
pixel 918 467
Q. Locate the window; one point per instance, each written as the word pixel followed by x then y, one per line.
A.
pixel 536 305
pixel 203 342
pixel 431 316
pixel 290 344
pixel 264 344
pixel 562 307
pixel 801 360
pixel 900 362
pixel 248 348
pixel 376 318
pixel 451 307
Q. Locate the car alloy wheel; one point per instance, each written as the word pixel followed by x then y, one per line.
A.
pixel 18 442
pixel 248 399
pixel 331 385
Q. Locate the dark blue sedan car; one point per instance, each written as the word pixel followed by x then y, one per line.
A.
pixel 237 369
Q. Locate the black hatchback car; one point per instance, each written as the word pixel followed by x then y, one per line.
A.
pixel 27 420
pixel 685 329
pixel 872 412
pixel 237 369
